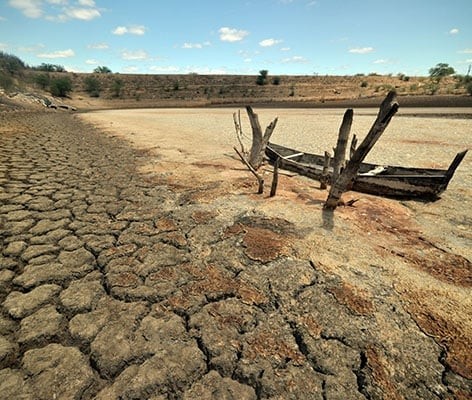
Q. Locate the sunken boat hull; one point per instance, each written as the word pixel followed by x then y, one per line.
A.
pixel 387 181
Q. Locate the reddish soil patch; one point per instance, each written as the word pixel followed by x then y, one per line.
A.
pixel 356 299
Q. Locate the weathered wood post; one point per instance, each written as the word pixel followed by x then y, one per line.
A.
pixel 275 179
pixel 324 175
pixel 340 151
pixel 388 109
pixel 353 146
pixel 259 140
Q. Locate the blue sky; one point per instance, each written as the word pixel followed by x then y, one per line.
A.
pixel 300 37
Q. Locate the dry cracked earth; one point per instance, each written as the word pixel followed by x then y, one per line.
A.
pixel 115 287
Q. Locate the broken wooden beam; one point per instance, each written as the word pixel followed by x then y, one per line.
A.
pixel 341 145
pixel 387 110
pixel 259 140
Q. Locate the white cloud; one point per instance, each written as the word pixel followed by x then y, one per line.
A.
pixel 57 54
pixel 381 61
pixel 361 50
pixel 87 3
pixel 192 46
pixel 130 69
pixel 164 69
pixel 85 14
pixel 134 55
pixel 231 34
pixel 269 42
pixel 285 49
pixel 195 45
pixel 29 8
pixel 295 59
pixel 85 9
pixel 132 30
pixel 3 46
pixel 92 62
pixel 2 18
pixel 465 51
pixel 98 46
pixel 454 31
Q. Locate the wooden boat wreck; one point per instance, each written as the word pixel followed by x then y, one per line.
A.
pixel 388 181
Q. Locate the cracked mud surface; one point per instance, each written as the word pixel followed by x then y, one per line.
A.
pixel 120 285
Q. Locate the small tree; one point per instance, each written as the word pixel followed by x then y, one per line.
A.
pixel 61 87
pixel 102 70
pixel 440 71
pixel 262 78
pixel 92 86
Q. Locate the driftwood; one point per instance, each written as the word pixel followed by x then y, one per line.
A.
pixel 340 151
pixel 388 109
pixel 239 130
pixel 260 179
pixel 259 140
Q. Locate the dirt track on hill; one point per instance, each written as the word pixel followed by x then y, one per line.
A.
pixel 125 273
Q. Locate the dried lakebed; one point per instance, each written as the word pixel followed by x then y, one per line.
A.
pixel 127 272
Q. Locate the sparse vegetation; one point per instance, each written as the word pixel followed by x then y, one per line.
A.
pixel 42 80
pixel 61 87
pixel 276 80
pixel 117 88
pixel 6 81
pixel 11 64
pixel 92 86
pixel 262 77
pixel 50 68
pixel 364 84
pixel 440 71
pixel 102 70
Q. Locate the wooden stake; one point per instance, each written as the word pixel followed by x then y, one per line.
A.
pixel 275 179
pixel 387 110
pixel 260 179
pixel 324 177
pixel 340 152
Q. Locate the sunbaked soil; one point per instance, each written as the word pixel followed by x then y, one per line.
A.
pixel 421 249
pixel 168 276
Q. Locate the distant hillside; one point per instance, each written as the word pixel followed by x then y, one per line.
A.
pixel 109 90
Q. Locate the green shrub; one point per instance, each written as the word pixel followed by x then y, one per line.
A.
pixel 276 80
pixel 262 78
pixel 11 64
pixel 60 87
pixel 92 86
pixel 117 88
pixel 102 70
pixel 6 81
pixel 468 88
pixel 364 84
pixel 42 80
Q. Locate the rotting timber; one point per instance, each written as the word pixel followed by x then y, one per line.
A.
pixel 380 180
pixel 388 181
